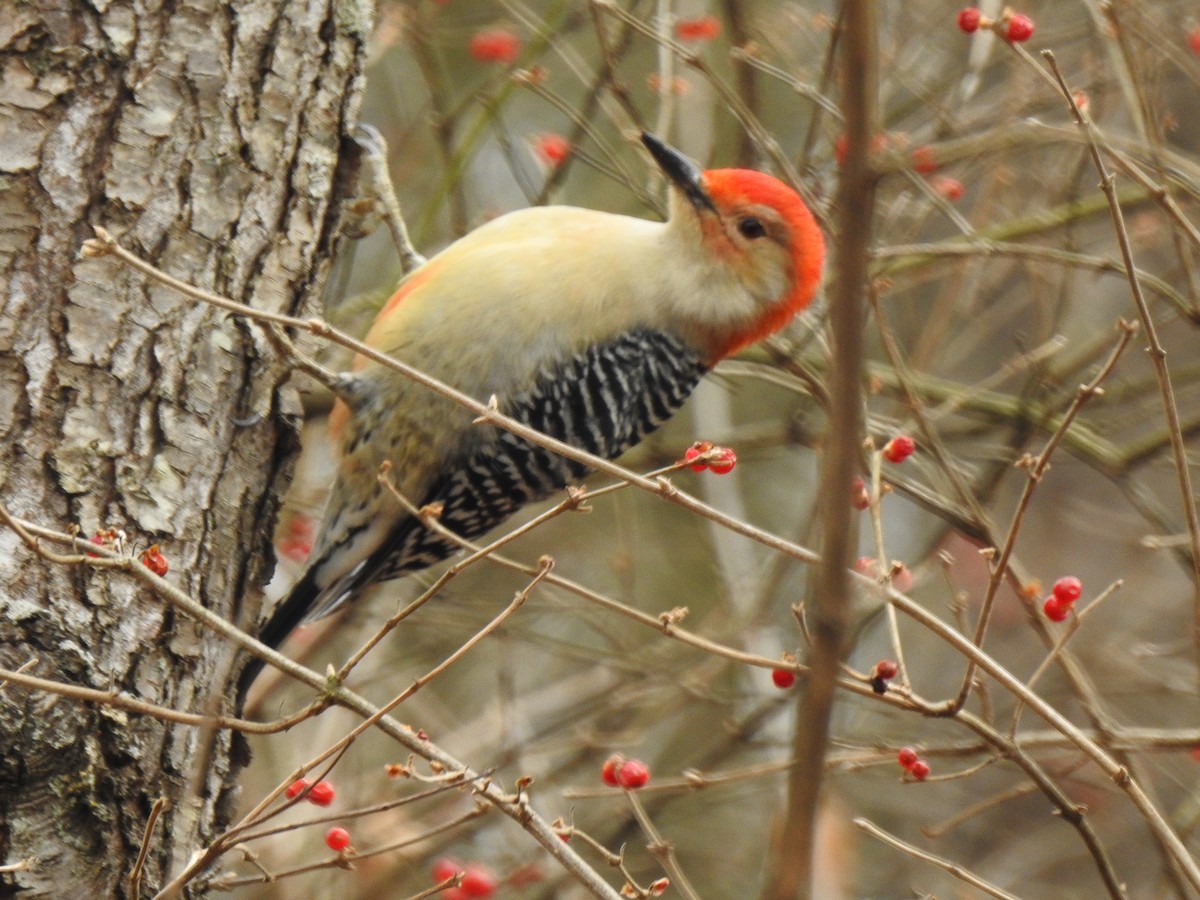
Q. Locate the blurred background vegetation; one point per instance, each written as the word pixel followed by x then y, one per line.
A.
pixel 999 280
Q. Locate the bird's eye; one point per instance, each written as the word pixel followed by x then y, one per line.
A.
pixel 751 228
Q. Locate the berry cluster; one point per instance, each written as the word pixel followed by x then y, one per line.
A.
pixel 321 793
pixel 630 774
pixel 911 763
pixel 1012 26
pixel 1062 598
pixel 705 455
pixel 474 880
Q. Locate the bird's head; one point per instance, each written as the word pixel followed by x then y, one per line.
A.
pixel 755 229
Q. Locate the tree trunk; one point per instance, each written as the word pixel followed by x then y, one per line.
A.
pixel 208 137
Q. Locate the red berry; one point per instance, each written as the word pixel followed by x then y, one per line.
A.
pixel 886 668
pixel 919 770
pixel 99 541
pixel 1194 41
pixel 907 757
pixel 552 148
pixel 478 882
pixel 724 459
pixel 860 496
pixel 445 868
pixel 924 161
pixel 968 19
pixel 696 450
pixel 950 188
pixel 495 45
pixel 608 771
pixel 633 774
pixel 337 839
pixel 1020 28
pixel 1068 589
pixel 296 788
pixel 322 793
pixel 704 28
pixel 153 560
pixel 899 448
pixel 783 678
pixel 1056 610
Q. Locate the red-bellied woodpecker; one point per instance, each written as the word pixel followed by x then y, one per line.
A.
pixel 590 327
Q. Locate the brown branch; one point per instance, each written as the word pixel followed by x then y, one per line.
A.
pixel 791 867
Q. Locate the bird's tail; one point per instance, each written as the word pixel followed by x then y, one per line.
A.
pixel 294 609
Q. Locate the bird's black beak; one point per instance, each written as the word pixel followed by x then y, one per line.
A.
pixel 684 173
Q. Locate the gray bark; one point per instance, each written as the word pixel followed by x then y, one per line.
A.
pixel 208 138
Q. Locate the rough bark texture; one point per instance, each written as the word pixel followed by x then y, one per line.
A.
pixel 208 137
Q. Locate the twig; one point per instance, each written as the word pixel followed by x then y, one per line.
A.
pixel 336 861
pixel 959 872
pixel 660 848
pixel 381 181
pixel 135 876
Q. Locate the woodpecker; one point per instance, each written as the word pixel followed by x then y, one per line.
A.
pixel 590 327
